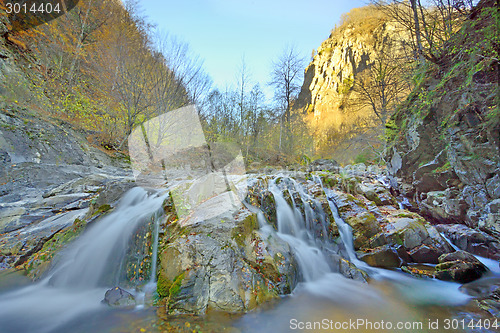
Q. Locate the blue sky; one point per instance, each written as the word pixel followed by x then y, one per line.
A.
pixel 223 31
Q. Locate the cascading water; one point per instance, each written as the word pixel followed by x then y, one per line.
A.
pixel 421 291
pixel 84 271
pixel 490 263
pixel 327 293
pixel 292 229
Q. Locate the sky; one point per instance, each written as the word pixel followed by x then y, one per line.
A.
pixel 222 32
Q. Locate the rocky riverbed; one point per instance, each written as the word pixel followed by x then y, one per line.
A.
pixel 274 232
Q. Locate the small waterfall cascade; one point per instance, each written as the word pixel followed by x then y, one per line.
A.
pixel 325 298
pixel 302 224
pixel 420 291
pixel 93 263
pixel 298 230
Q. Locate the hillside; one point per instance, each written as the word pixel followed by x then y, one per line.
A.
pixel 445 138
pixel 100 67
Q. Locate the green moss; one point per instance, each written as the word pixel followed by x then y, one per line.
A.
pixel 443 168
pixel 397 239
pixel 445 265
pixel 102 209
pixel 408 215
pixel 38 262
pixel 175 288
pixel 163 285
pixel 244 229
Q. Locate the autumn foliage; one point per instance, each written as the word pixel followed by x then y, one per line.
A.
pixel 100 67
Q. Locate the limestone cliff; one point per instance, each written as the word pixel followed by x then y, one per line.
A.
pixel 327 92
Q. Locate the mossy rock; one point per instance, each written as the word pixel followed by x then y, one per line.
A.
pixel 175 287
pixel 365 226
pixel 39 262
pixel 268 207
pixel 163 285
pixel 244 229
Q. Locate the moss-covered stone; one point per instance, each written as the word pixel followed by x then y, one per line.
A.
pixel 365 226
pixel 163 285
pixel 102 209
pixel 242 231
pixel 39 262
pixel 175 287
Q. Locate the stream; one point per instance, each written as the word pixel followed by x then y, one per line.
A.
pixel 327 301
pixel 76 284
pixel 69 297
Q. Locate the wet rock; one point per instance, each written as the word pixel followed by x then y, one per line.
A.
pixel 459 266
pixel 365 226
pixel 471 240
pixel 425 254
pixel 110 193
pixel 378 194
pixel 224 263
pixel 383 256
pixel 444 206
pixel 118 297
pixel 350 271
pixel 324 165
pixel 412 231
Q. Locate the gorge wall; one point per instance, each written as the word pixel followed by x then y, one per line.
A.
pixel 327 93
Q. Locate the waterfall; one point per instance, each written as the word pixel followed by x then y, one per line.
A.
pixel 416 290
pixel 154 252
pixel 292 229
pixel 311 252
pixel 84 270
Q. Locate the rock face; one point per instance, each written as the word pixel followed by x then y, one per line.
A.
pixel 224 264
pixel 52 183
pixel 447 138
pixel 349 50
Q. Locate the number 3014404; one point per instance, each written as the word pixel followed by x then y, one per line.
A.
pixel 43 7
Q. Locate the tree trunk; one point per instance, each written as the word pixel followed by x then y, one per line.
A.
pixel 417 30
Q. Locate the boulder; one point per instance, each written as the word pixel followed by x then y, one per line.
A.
pixel 444 206
pixel 379 194
pixel 224 263
pixel 118 297
pixel 459 266
pixel 383 256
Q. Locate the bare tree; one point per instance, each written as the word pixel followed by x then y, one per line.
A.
pixel 431 22
pixel 286 77
pixel 243 80
pixel 381 87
